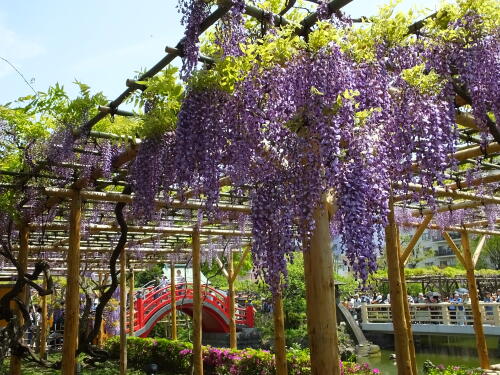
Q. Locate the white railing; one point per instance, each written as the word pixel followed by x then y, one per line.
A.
pixel 434 313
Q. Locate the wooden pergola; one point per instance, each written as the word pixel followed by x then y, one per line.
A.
pixel 76 240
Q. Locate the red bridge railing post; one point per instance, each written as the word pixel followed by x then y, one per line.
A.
pixel 140 310
pixel 250 316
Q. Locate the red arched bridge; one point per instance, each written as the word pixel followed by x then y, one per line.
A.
pixel 153 303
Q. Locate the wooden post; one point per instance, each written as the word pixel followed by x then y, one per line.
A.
pixel 406 305
pixel 172 299
pixel 401 341
pixel 43 325
pixel 364 313
pixel 15 361
pixel 482 349
pixel 232 322
pixel 131 304
pixel 320 295
pixel 123 313
pixel 72 313
pixel 279 335
pixel 197 350
pixel 100 335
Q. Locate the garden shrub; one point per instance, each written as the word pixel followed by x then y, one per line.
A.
pixel 174 357
pixel 431 369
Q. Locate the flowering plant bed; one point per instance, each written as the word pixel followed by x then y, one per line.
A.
pixel 174 357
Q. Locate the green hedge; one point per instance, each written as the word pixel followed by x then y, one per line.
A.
pixel 174 357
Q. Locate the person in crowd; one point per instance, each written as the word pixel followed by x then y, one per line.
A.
pixel 497 296
pixel 356 306
pixel 388 299
pixel 421 298
pixel 365 298
pixel 378 299
pixel 179 280
pixel 452 308
pixel 488 299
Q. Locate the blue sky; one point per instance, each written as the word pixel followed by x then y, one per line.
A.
pixel 100 43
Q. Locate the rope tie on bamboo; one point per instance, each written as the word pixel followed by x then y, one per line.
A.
pixel 484 149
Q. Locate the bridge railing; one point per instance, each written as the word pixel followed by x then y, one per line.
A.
pixel 152 298
pixel 434 313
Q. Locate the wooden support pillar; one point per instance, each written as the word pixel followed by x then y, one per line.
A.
pixel 406 305
pixel 172 298
pixel 197 351
pixel 279 335
pixel 100 335
pixel 320 295
pixel 401 341
pixel 43 325
pixel 482 348
pixel 15 361
pixel 131 312
pixel 72 312
pixel 232 322
pixel 123 313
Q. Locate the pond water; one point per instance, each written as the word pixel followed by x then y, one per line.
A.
pixel 458 350
pixel 388 367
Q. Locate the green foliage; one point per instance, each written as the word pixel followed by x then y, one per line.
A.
pixel 431 369
pixel 488 10
pixel 165 94
pixel 426 82
pixel 490 256
pixel 174 357
pixel 144 277
pixel 142 351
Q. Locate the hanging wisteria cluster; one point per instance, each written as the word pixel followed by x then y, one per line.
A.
pixel 313 120
pixel 290 120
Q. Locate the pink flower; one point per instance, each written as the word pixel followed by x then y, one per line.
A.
pixel 376 371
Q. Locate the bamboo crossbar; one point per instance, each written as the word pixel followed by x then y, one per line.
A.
pixel 454 229
pixel 440 192
pixel 144 229
pixel 118 197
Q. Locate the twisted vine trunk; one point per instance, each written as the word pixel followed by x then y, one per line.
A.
pixel 88 335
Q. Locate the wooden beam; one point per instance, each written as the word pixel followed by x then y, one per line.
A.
pixel 479 248
pixel 455 229
pixel 401 340
pixel 44 324
pixel 450 207
pixel 22 258
pixel 404 289
pixel 232 320
pixel 406 253
pixel 172 298
pixel 482 348
pixel 123 312
pixel 240 263
pixel 454 248
pixel 221 265
pixel 197 324
pixel 473 152
pixel 279 335
pixel 118 197
pixel 72 313
pixel 131 297
pixel 320 296
pixel 440 192
pixel 493 177
pixel 96 228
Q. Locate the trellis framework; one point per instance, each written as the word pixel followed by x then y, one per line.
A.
pixel 182 227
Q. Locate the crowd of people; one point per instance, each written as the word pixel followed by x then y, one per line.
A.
pixel 458 298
